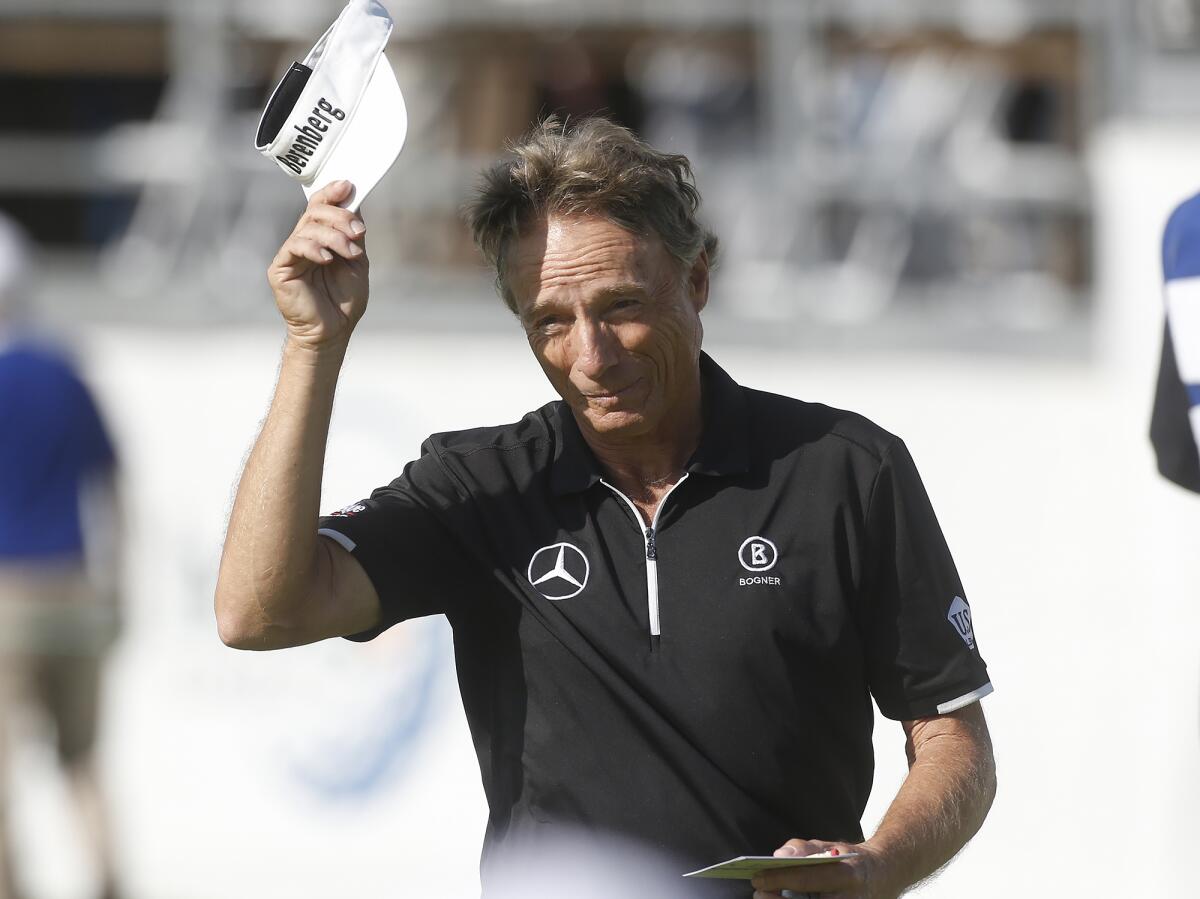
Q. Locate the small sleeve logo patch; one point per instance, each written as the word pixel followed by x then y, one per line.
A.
pixel 349 511
pixel 960 617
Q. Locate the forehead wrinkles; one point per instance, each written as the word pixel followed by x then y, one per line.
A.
pixel 565 265
pixel 568 253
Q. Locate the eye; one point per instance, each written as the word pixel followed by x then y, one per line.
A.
pixel 546 324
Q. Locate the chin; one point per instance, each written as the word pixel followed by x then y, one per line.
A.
pixel 616 421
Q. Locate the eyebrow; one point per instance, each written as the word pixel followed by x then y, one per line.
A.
pixel 623 289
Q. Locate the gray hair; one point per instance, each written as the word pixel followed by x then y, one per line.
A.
pixel 588 167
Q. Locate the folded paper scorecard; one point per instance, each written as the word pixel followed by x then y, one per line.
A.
pixel 746 866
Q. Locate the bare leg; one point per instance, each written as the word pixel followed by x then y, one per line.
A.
pixel 8 878
pixel 8 883
pixel 89 799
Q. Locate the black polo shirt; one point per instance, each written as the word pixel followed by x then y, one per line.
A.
pixel 703 686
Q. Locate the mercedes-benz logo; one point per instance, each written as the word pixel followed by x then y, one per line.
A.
pixel 758 554
pixel 559 571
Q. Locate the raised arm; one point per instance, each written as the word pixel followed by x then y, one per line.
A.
pixel 941 804
pixel 280 584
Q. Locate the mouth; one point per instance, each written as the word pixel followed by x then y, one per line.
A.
pixel 610 397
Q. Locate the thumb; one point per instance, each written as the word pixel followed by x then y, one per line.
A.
pixel 785 850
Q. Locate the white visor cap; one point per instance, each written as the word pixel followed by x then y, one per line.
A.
pixel 339 115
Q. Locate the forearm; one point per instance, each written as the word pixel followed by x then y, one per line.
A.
pixel 941 804
pixel 269 558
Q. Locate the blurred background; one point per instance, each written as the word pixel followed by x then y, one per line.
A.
pixel 944 214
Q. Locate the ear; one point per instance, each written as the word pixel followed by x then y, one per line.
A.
pixel 697 282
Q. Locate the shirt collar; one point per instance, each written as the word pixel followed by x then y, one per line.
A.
pixel 574 469
pixel 723 448
pixel 724 440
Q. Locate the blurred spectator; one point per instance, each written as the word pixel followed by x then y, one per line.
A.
pixel 596 865
pixel 58 529
pixel 1175 425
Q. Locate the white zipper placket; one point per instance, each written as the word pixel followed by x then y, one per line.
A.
pixel 648 534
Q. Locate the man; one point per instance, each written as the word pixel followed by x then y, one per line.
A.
pixel 58 545
pixel 672 597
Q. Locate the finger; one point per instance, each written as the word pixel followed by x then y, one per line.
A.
pixel 349 223
pixel 332 193
pixel 832 878
pixel 298 248
pixel 332 239
pixel 801 847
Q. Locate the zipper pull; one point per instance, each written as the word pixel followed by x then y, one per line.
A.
pixel 651 552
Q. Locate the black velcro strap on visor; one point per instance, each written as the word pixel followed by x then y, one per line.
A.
pixel 282 102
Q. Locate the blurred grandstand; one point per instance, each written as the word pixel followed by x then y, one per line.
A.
pixel 953 208
pixel 891 173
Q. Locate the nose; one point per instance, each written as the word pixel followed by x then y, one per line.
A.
pixel 595 349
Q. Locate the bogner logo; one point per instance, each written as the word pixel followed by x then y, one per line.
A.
pixel 559 571
pixel 303 147
pixel 758 554
pixel 960 616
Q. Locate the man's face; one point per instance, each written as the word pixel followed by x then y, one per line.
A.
pixel 612 320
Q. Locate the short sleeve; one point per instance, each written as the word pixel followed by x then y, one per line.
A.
pixel 89 438
pixel 400 536
pixel 923 658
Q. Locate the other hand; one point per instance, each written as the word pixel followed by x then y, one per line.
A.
pixel 863 877
pixel 319 275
